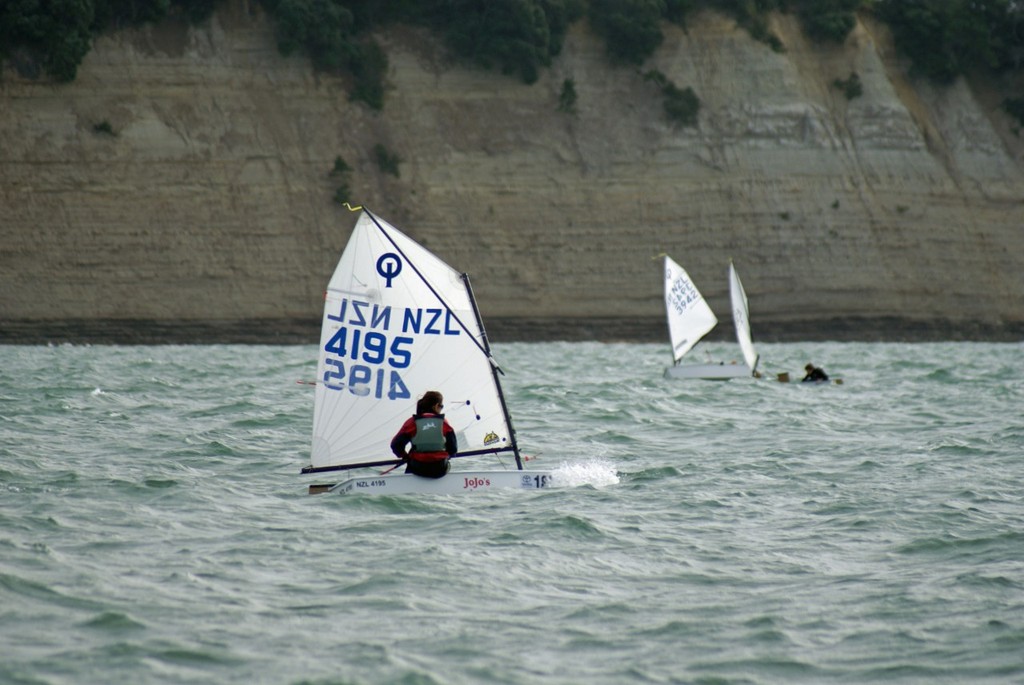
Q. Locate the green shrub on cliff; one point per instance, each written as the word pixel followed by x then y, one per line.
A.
pixel 340 167
pixel 54 36
pixel 947 38
pixel 342 194
pixel 320 28
pixel 198 11
pixel 515 36
pixel 943 38
pixel 115 14
pixel 681 104
pixel 822 20
pixel 329 33
pixel 567 97
pixel 851 86
pixel 368 64
pixel 1015 108
pixel 341 171
pixel 752 15
pixel 828 20
pixel 387 161
pixel 631 29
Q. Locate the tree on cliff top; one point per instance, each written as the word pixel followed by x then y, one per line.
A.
pixel 947 38
pixel 828 20
pixel 55 35
pixel 944 38
pixel 631 29
pixel 515 37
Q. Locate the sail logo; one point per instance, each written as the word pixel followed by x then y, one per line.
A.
pixel 389 265
pixel 491 438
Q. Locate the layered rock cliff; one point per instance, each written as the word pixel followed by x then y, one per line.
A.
pixel 180 188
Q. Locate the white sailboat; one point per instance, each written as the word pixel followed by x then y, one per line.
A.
pixel 397 322
pixel 690 319
pixel 741 320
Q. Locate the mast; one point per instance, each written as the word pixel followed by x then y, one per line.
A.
pixel 495 370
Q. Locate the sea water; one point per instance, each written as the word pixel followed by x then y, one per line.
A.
pixel 154 527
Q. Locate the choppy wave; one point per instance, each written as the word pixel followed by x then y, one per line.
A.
pixel 154 527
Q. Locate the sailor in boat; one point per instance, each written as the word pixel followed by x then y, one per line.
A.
pixel 814 374
pixel 431 441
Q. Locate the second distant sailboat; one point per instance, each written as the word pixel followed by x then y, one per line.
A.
pixel 690 319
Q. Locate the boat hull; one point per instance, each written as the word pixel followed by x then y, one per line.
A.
pixel 709 372
pixel 454 483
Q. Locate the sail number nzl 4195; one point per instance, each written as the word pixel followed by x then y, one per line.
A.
pixel 366 357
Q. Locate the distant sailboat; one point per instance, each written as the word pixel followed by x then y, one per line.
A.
pixel 690 319
pixel 741 319
pixel 397 322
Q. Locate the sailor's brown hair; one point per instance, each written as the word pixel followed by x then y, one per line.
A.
pixel 430 399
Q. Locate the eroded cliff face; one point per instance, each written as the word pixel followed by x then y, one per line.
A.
pixel 898 211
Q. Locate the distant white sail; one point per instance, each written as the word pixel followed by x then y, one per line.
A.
pixel 741 318
pixel 398 322
pixel 689 316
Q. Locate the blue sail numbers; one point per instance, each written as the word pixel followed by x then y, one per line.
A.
pixel 374 342
pixel 682 294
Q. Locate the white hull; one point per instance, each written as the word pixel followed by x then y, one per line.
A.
pixel 710 372
pixel 454 483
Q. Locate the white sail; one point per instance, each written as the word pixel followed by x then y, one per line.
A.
pixel 741 318
pixel 689 316
pixel 398 322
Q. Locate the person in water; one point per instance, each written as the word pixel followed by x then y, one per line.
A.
pixel 431 441
pixel 814 373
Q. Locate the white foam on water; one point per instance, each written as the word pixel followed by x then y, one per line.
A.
pixel 596 472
